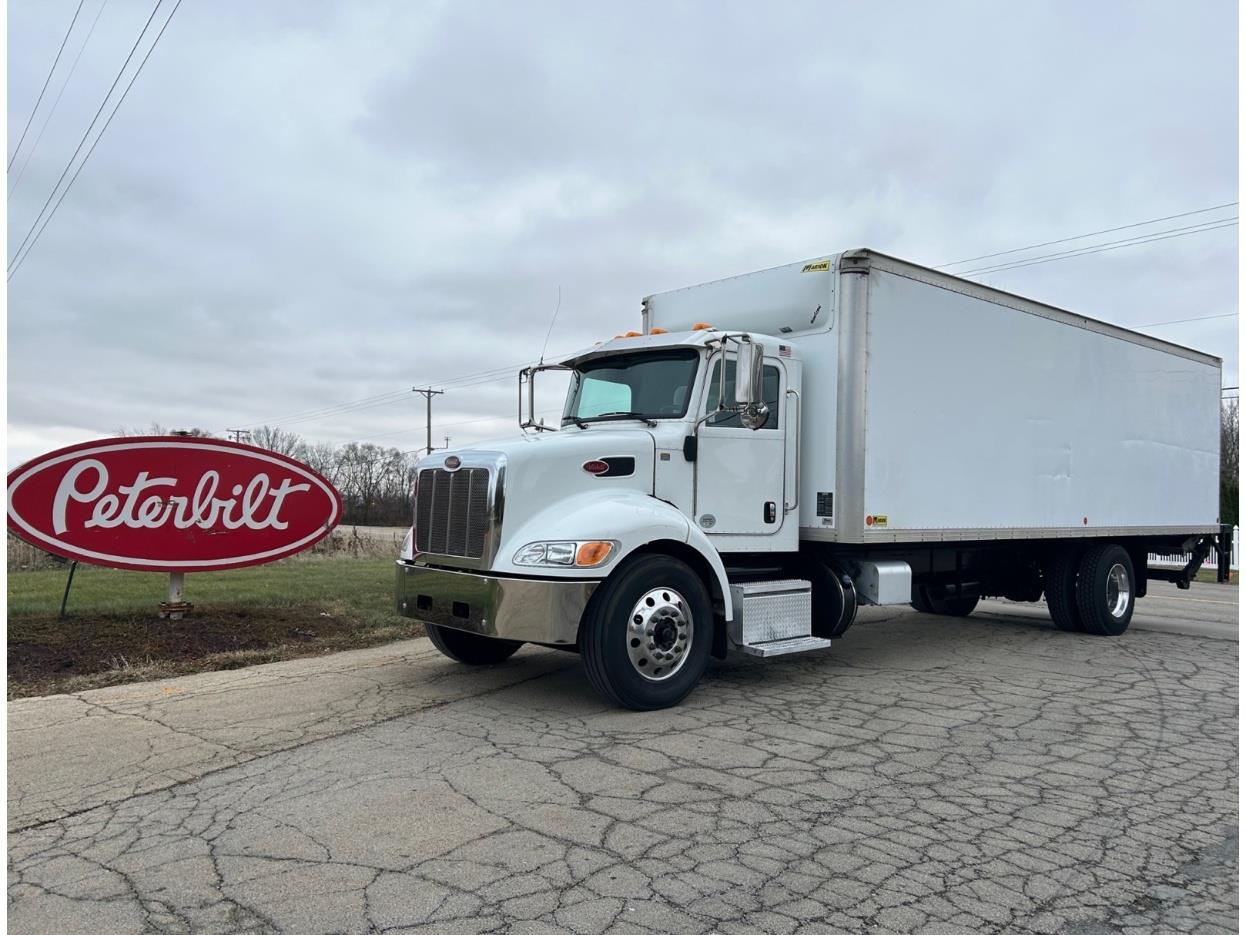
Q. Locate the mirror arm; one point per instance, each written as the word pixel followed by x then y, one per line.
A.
pixel 528 375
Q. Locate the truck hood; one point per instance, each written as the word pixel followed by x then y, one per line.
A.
pixel 542 469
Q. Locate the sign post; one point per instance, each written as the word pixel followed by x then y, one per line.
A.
pixel 174 608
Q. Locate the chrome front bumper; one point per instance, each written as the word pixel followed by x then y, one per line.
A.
pixel 528 609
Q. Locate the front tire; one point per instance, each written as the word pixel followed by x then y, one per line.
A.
pixel 470 648
pixel 645 638
pixel 1105 590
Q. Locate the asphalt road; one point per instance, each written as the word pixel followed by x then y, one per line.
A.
pixel 924 775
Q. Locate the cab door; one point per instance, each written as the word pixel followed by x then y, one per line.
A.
pixel 741 472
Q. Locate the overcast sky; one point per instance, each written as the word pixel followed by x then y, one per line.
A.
pixel 304 204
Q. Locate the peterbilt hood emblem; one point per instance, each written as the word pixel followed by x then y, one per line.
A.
pixel 453 463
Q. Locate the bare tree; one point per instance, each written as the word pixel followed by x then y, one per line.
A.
pixel 322 457
pixel 157 429
pixel 364 469
pixel 278 440
pixel 1230 425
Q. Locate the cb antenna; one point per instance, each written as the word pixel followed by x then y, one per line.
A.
pixel 557 306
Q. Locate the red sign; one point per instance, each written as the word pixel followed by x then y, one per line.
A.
pixel 170 503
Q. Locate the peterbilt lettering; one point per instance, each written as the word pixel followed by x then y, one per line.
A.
pixel 202 508
pixel 743 403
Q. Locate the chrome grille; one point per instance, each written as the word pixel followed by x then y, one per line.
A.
pixel 452 512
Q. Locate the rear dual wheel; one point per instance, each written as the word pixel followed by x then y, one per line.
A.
pixel 1091 591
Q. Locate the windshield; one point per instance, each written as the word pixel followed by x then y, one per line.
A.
pixel 652 385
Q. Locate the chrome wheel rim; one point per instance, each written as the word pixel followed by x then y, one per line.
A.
pixel 659 634
pixel 1118 591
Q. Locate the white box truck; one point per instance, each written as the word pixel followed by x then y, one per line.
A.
pixel 770 451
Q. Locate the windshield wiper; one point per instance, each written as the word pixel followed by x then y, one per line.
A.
pixel 576 419
pixel 624 415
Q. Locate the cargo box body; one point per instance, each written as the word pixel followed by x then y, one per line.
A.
pixel 935 409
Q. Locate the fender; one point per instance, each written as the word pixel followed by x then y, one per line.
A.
pixel 700 541
pixel 632 518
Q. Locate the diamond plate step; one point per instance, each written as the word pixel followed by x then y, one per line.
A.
pixel 800 644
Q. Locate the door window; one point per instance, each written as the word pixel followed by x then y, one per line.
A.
pixel 769 395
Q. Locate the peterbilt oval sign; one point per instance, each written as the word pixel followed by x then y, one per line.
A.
pixel 167 503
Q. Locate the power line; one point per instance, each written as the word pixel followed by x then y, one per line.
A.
pixel 454 425
pixel 1108 230
pixel 56 103
pixel 100 136
pixel 382 399
pixel 364 403
pixel 43 90
pixel 1102 248
pixel 1182 321
pixel 19 257
pixel 82 141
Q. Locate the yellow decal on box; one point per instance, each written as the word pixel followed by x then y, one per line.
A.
pixel 876 520
pixel 821 266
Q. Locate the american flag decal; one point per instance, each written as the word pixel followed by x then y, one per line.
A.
pixel 785 351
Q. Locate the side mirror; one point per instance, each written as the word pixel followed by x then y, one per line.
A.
pixel 748 373
pixel 748 384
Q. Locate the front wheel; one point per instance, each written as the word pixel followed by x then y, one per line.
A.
pixel 470 648
pixel 646 635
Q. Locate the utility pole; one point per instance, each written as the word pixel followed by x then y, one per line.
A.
pixel 240 435
pixel 428 393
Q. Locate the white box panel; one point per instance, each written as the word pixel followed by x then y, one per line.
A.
pixel 982 416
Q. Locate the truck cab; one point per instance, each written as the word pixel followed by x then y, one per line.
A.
pixel 675 452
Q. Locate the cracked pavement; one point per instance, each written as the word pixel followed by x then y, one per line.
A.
pixel 924 775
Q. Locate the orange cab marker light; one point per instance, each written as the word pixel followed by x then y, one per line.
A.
pixel 593 553
pixel 702 326
pixel 658 331
pixel 633 334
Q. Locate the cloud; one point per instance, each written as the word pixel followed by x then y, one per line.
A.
pixel 305 204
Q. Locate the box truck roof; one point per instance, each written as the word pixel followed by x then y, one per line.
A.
pixel 800 298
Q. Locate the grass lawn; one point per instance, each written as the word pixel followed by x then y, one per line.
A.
pixel 1210 576
pixel 112 633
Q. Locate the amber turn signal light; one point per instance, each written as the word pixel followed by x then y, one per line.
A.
pixel 593 553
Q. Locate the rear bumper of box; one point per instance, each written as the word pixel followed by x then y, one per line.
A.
pixel 533 610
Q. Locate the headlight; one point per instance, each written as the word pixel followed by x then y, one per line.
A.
pixel 585 553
